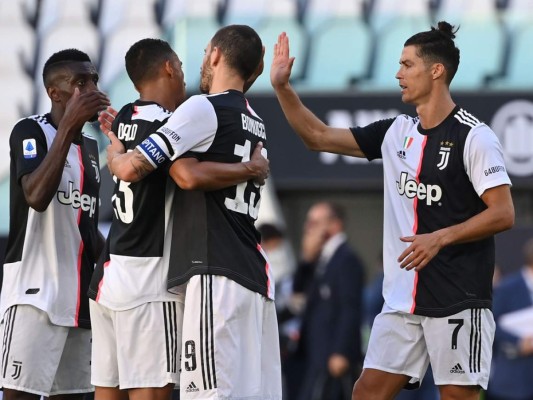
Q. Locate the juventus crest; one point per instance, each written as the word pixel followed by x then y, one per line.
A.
pixel 444 154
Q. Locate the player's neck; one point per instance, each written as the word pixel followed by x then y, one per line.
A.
pixel 435 110
pixel 158 95
pixel 224 80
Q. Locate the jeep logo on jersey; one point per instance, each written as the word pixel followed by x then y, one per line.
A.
pixel 127 132
pixel 411 189
pixel 77 200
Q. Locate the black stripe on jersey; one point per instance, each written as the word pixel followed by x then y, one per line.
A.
pixel 466 118
pixel 177 346
pixel 475 340
pixel 212 330
pixel 171 335
pixel 9 323
pixel 202 301
pixel 207 345
pixel 167 341
pixel 170 149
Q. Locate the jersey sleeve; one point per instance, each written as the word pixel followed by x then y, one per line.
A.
pixel 483 160
pixel 370 137
pixel 192 127
pixel 28 147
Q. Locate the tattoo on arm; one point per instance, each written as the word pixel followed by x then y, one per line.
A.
pixel 140 164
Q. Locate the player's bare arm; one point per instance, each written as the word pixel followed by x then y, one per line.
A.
pixel 497 217
pixel 41 185
pixel 315 134
pixel 129 167
pixel 191 174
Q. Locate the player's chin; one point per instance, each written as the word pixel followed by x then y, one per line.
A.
pixel 94 118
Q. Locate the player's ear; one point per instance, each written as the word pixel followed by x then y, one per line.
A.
pixel 168 68
pixel 437 70
pixel 53 93
pixel 215 55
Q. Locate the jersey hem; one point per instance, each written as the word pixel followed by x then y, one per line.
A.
pixel 173 283
pixel 446 312
pixel 123 307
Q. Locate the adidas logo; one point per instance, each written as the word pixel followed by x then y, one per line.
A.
pixel 67 164
pixel 401 154
pixel 191 388
pixel 457 369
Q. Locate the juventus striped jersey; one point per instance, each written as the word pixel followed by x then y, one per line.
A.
pixel 214 231
pixel 434 179
pixel 134 267
pixel 50 255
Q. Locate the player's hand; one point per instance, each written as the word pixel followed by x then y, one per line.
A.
pixel 257 73
pixel 338 365
pixel 106 118
pixel 259 164
pixel 313 241
pixel 421 250
pixel 114 149
pixel 525 346
pixel 83 107
pixel 280 71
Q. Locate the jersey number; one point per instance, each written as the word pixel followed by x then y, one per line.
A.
pixel 123 202
pixel 239 203
pixel 190 355
pixel 459 323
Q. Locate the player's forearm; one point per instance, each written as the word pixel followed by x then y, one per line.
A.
pixel 189 174
pixel 130 167
pixel 40 186
pixel 308 126
pixel 494 219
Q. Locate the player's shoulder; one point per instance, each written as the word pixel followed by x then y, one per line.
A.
pixel 228 98
pixel 198 103
pixel 466 120
pixel 30 126
pixel 148 111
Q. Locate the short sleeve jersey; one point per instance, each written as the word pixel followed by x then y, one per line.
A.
pixel 50 255
pixel 214 231
pixel 134 266
pixel 434 179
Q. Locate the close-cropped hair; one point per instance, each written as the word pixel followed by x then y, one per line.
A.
pixel 437 46
pixel 61 58
pixel 145 57
pixel 241 47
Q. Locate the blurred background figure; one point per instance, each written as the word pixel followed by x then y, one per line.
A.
pixel 512 370
pixel 283 263
pixel 328 287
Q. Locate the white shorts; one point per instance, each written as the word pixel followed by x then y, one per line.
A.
pixel 230 342
pixel 136 348
pixel 42 358
pixel 459 347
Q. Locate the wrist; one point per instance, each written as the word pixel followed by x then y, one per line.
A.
pixel 252 172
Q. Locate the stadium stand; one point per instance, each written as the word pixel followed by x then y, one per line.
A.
pixel 339 46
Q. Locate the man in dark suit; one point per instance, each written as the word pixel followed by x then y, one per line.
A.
pixel 512 372
pixel 330 276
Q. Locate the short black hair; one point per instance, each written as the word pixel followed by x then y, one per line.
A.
pixel 437 45
pixel 61 58
pixel 336 211
pixel 145 57
pixel 270 231
pixel 241 47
